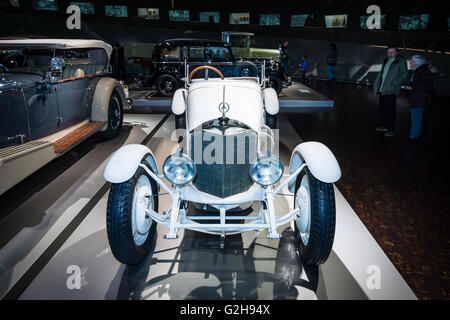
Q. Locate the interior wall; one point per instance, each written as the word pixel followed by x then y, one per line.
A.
pixel 356 62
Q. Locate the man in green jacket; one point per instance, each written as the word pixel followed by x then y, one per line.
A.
pixel 387 85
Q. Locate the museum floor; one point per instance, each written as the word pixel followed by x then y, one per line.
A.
pixel 399 190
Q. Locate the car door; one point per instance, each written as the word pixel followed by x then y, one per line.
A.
pixel 42 109
pixel 72 98
pixel 13 119
pixel 73 89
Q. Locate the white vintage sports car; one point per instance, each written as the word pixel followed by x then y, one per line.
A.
pixel 227 159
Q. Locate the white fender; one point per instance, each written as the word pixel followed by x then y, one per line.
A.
pixel 179 101
pixel 102 94
pixel 320 161
pixel 125 161
pixel 271 101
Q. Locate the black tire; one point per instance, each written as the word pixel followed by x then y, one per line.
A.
pixel 271 121
pixel 166 85
pixel 119 224
pixel 275 83
pixel 180 121
pixel 322 223
pixel 115 117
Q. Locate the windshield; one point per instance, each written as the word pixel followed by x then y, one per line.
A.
pixel 240 41
pixel 239 69
pixel 38 60
pixel 25 60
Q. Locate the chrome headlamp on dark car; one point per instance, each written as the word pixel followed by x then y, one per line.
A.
pixel 266 170
pixel 273 65
pixel 179 169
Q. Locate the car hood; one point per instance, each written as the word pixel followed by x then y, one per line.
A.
pixel 15 81
pixel 242 97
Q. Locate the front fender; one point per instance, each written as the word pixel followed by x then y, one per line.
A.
pixel 125 161
pixel 320 161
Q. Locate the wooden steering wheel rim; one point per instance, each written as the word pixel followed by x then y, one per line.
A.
pixel 206 67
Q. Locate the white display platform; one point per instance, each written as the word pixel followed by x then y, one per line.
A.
pixel 193 267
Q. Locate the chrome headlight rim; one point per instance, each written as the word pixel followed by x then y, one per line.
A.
pixel 277 173
pixel 183 160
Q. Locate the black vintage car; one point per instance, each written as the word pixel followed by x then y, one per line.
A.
pixel 170 56
pixel 54 93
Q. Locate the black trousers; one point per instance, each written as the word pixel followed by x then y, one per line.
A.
pixel 304 80
pixel 387 111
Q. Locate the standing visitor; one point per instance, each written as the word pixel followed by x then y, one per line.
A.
pixel 422 89
pixel 387 86
pixel 331 63
pixel 303 67
pixel 284 58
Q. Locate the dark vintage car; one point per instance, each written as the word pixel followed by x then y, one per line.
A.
pixel 170 57
pixel 54 93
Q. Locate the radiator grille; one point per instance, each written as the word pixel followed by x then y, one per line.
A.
pixel 222 157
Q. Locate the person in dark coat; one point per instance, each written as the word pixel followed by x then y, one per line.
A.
pixel 331 63
pixel 422 89
pixel 394 72
pixel 284 58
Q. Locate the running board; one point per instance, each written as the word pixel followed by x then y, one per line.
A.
pixel 14 152
pixel 75 137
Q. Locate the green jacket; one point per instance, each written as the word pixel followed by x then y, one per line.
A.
pixel 395 77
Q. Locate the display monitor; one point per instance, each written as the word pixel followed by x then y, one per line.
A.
pixel 269 19
pixel 116 11
pixel 414 22
pixel 85 7
pixel 179 15
pixel 149 13
pixel 13 3
pixel 240 18
pixel 448 22
pixel 299 20
pixel 336 21
pixel 363 22
pixel 46 5
pixel 209 17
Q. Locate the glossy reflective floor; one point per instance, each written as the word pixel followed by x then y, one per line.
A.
pixel 399 190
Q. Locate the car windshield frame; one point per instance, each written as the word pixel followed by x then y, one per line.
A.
pixel 30 56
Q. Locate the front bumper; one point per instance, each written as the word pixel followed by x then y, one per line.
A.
pixel 176 217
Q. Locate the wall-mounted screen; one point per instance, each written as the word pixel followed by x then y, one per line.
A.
pixel 336 21
pixel 179 15
pixel 85 7
pixel 47 5
pixel 209 17
pixel 14 3
pixel 363 22
pixel 240 18
pixel 414 22
pixel 269 19
pixel 299 20
pixel 116 11
pixel 148 13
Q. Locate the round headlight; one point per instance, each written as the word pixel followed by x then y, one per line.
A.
pixel 179 169
pixel 266 170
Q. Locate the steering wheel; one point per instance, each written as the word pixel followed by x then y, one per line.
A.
pixel 205 67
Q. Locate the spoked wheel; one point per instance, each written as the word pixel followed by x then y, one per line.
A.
pixel 130 229
pixel 166 85
pixel 315 226
pixel 115 117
